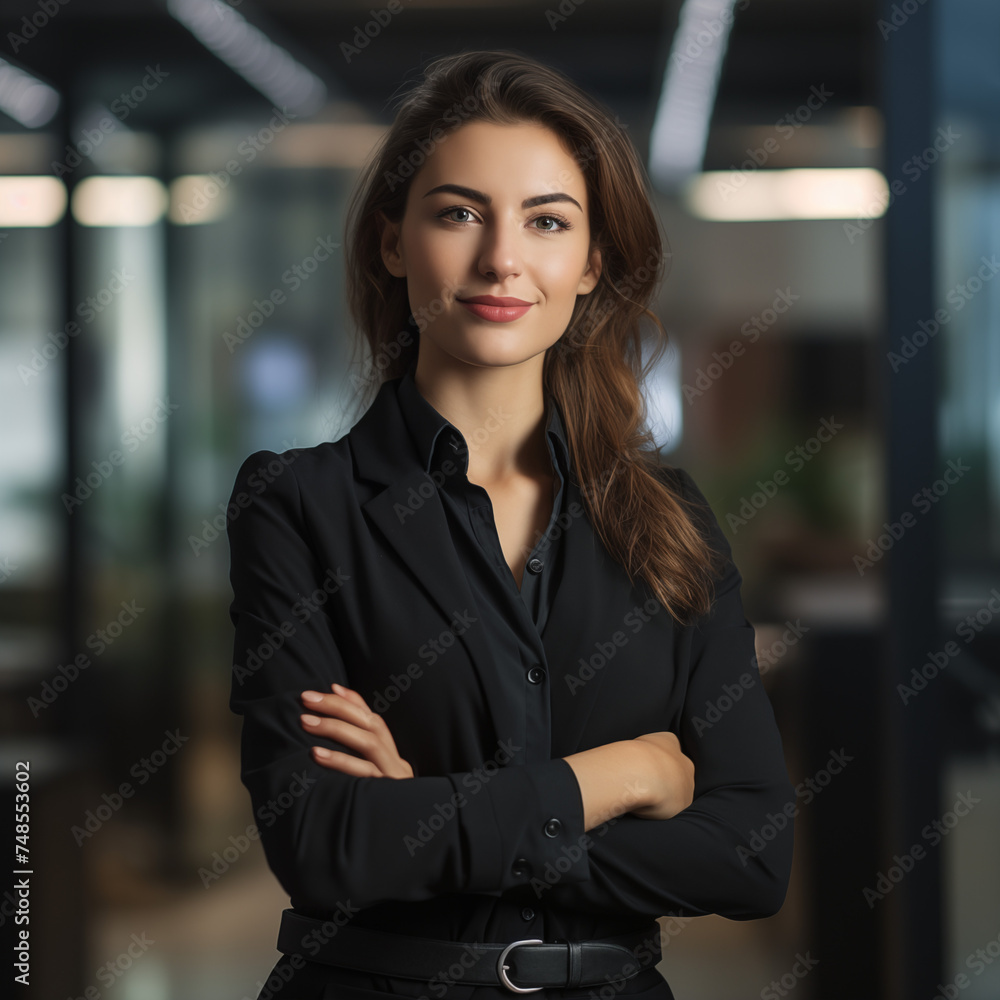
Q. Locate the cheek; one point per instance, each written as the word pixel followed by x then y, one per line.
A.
pixel 436 261
pixel 564 270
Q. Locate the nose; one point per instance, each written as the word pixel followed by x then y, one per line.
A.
pixel 501 253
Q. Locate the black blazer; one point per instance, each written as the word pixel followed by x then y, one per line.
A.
pixel 343 570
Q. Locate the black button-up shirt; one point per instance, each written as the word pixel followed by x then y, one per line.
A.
pixel 373 562
pixel 514 620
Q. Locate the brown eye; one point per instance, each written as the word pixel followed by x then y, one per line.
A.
pixel 561 224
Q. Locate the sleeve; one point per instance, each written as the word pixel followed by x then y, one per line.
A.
pixel 331 837
pixel 730 851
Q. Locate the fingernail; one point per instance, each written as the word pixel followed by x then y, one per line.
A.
pixel 322 752
pixel 311 696
pixel 310 720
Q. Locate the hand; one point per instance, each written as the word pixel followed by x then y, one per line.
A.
pixel 351 722
pixel 671 774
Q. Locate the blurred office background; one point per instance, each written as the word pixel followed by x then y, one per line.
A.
pixel 827 177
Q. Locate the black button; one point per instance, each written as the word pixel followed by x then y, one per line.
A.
pixel 536 675
pixel 535 565
pixel 553 828
pixel 521 867
pixel 527 913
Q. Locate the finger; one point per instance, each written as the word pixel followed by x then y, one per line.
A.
pixel 334 760
pixel 340 731
pixel 349 694
pixel 341 707
pixel 380 752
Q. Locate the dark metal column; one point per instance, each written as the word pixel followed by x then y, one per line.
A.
pixel 912 733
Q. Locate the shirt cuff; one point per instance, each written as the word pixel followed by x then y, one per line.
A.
pixel 522 826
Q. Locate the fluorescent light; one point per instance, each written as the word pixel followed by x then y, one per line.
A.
pixel 119 201
pixel 806 193
pixel 25 99
pixel 198 198
pixel 31 201
pixel 246 49
pixel 680 128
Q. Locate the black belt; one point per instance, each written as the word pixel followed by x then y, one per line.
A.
pixel 522 966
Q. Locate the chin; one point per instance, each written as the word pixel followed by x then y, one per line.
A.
pixel 497 358
pixel 496 352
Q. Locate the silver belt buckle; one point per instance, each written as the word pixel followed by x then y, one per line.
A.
pixel 502 969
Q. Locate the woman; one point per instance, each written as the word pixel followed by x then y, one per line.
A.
pixel 491 591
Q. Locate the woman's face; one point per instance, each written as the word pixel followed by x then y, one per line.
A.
pixel 495 210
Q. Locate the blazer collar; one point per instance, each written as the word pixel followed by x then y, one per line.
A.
pixel 436 438
pixel 402 434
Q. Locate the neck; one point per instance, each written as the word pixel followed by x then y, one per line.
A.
pixel 500 412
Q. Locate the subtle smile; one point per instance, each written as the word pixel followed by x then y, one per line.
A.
pixel 496 309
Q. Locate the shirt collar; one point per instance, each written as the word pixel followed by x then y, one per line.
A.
pixel 438 439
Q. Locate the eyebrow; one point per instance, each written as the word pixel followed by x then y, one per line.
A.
pixel 485 199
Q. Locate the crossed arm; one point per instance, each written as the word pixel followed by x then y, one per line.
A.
pixel 649 776
pixel 346 834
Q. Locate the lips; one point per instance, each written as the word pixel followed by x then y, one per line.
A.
pixel 496 300
pixel 496 308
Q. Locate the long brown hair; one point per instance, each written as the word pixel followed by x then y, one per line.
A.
pixel 596 369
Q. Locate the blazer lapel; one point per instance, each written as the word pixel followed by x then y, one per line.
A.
pixel 409 514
